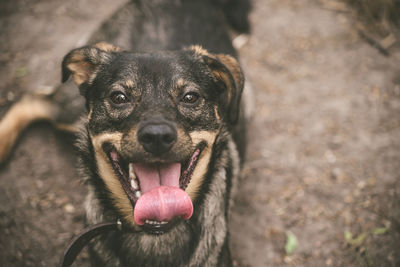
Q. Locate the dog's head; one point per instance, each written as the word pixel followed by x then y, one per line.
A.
pixel 153 120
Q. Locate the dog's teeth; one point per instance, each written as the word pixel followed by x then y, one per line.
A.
pixel 132 177
pixel 138 194
pixel 131 172
pixel 155 222
pixel 134 184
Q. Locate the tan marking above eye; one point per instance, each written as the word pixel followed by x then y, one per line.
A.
pixel 129 84
pixel 180 83
pixel 127 87
pixel 179 88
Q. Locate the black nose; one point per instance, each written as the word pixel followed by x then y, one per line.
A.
pixel 157 138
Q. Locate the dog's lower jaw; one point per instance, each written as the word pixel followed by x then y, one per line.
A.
pixel 188 243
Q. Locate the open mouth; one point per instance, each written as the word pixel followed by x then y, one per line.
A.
pixel 156 190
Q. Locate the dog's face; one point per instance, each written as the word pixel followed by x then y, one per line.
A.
pixel 153 120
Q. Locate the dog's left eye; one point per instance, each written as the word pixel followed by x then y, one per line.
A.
pixel 119 98
pixel 190 98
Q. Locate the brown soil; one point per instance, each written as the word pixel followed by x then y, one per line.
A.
pixel 324 145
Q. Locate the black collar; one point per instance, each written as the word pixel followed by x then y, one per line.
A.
pixel 82 239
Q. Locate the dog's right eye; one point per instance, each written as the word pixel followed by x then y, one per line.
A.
pixel 190 98
pixel 119 98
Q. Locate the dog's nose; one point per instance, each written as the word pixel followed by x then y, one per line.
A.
pixel 157 138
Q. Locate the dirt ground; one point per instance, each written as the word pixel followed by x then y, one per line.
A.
pixel 324 146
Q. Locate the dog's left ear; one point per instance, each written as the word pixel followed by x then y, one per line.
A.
pixel 229 76
pixel 83 63
pixel 227 70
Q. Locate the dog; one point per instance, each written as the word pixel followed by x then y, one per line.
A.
pixel 162 138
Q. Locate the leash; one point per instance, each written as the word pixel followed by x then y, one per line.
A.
pixel 82 239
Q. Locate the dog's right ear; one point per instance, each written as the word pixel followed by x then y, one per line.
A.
pixel 227 72
pixel 83 63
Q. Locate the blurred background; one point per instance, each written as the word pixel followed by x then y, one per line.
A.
pixel 321 183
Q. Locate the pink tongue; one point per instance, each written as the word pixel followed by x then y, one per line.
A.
pixel 151 176
pixel 161 199
pixel 162 204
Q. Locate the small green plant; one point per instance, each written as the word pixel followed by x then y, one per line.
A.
pixel 291 243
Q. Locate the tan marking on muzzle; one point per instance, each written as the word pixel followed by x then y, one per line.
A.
pixel 108 175
pixel 202 165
